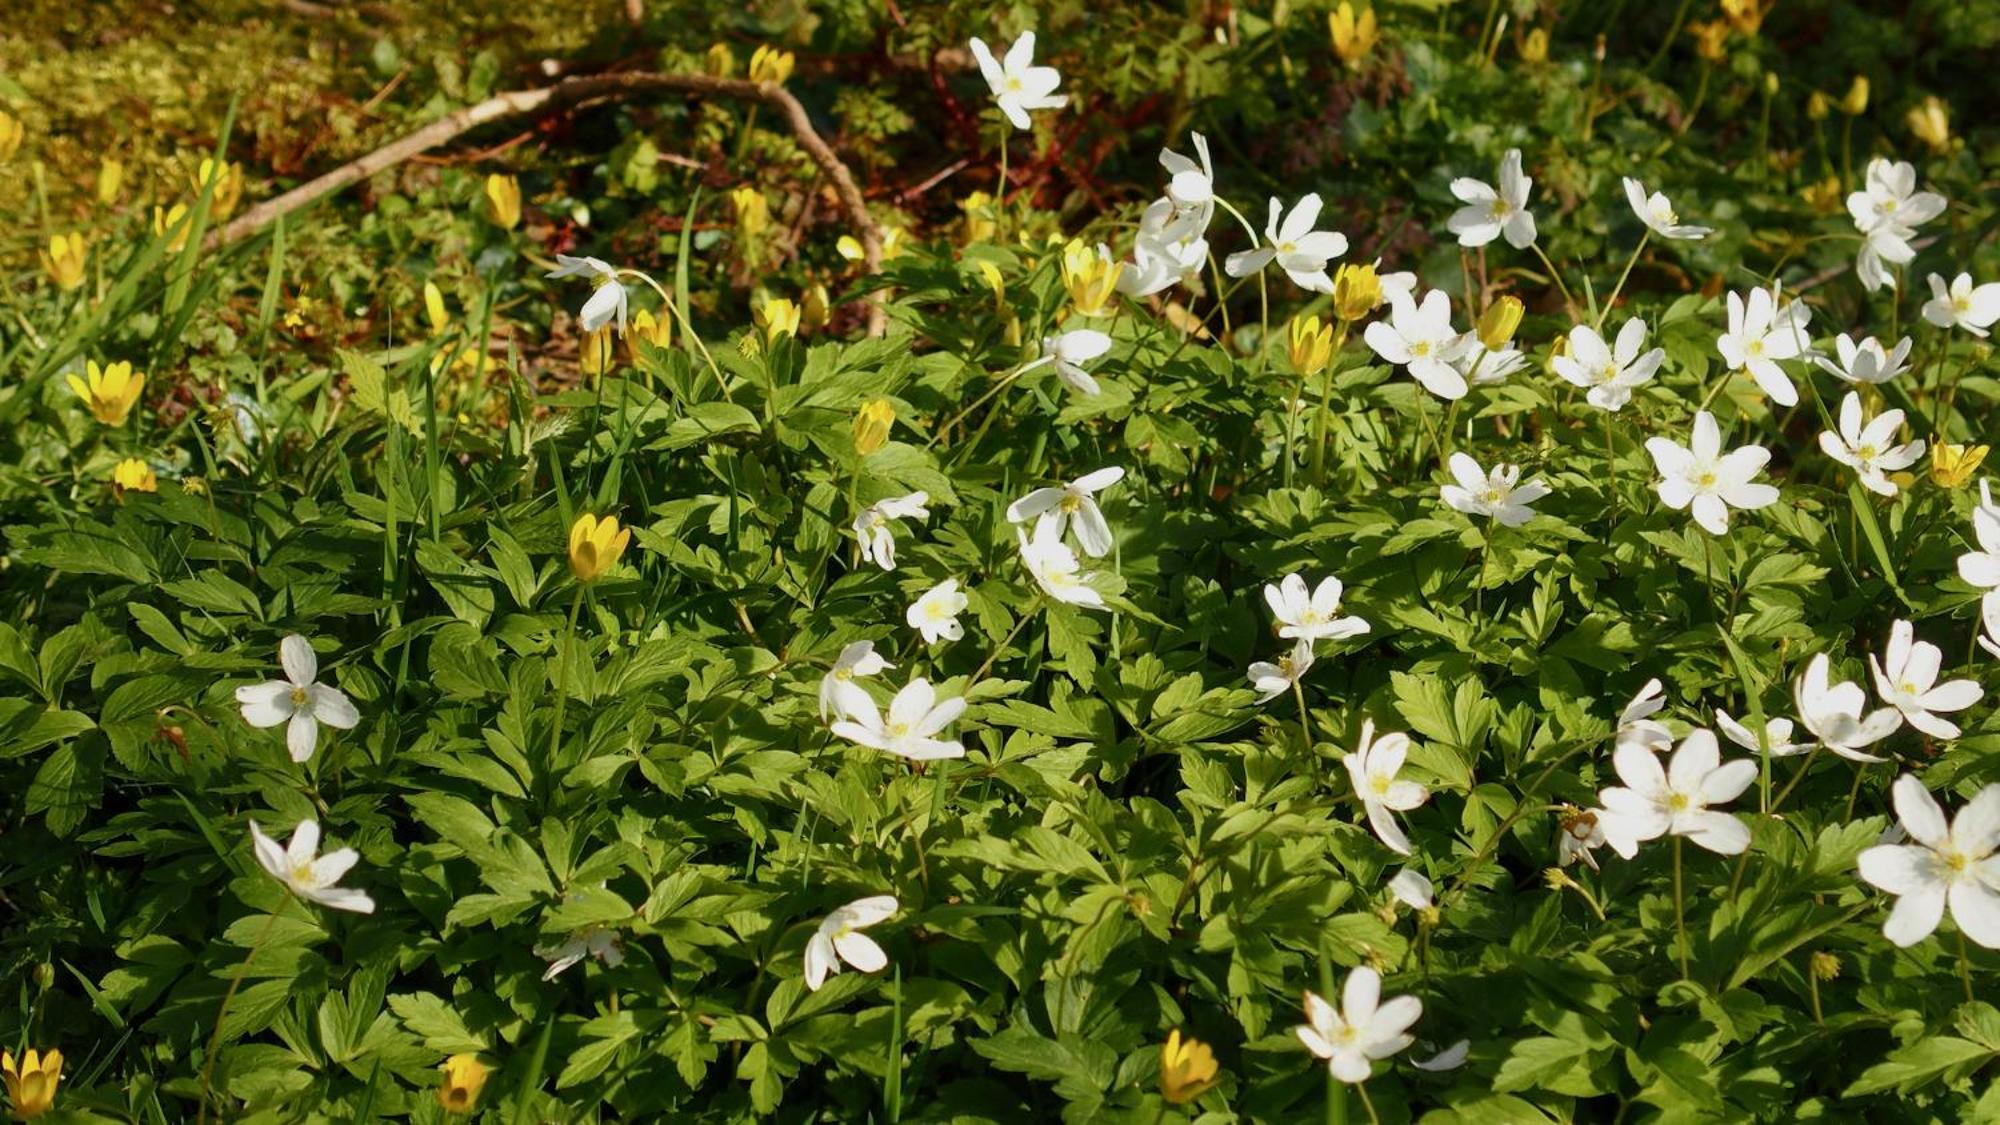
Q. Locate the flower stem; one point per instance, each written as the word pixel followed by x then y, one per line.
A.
pixel 1000 192
pixel 1611 469
pixel 235 982
pixel 1305 724
pixel 1964 967
pixel 562 664
pixel 1680 910
pixel 1019 623
pixel 1326 408
pixel 1556 276
pixel 1604 310
pixel 1479 591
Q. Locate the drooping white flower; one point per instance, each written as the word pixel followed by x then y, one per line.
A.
pixel 874 525
pixel 1609 374
pixel 1582 833
pixel 1702 478
pixel 1192 188
pixel 1480 367
pixel 1420 337
pixel 1018 85
pixel 1676 800
pixel 1372 769
pixel 1069 351
pixel 839 938
pixel 1636 724
pixel 1056 568
pixel 1657 212
pixel 1273 680
pixel 1494 495
pixel 1777 736
pixel 1073 504
pixel 1311 616
pixel 1870 449
pixel 1963 305
pixel 1981 568
pixel 307 874
pixel 1989 617
pixel 1411 888
pixel 1889 198
pixel 607 303
pixel 1761 332
pixel 1163 256
pixel 1865 362
pixel 1488 213
pixel 1906 679
pixel 298 700
pixel 1947 866
pixel 1299 250
pixel 1837 714
pixel 1886 245
pixel 935 613
pixel 595 942
pixel 910 728
pixel 1363 1030
pixel 837 688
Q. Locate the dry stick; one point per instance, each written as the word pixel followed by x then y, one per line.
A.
pixel 572 91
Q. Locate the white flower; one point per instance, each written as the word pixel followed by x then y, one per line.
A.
pixel 1889 198
pixel 1017 85
pixel 935 614
pixel 1363 1030
pixel 1761 333
pixel 1962 305
pixel 1609 374
pixel 1636 724
pixel 1989 616
pixel 594 942
pixel 1777 736
pixel 297 699
pixel 1701 477
pixel 1981 568
pixel 837 688
pixel 1162 257
pixel 1479 367
pixel 312 879
pixel 1411 888
pixel 839 937
pixel 1451 1058
pixel 1072 502
pixel 1274 680
pixel 1906 679
pixel 1489 213
pixel 1582 833
pixel 607 303
pixel 1870 450
pixel 1420 337
pixel 1657 212
pixel 1493 495
pixel 1055 567
pixel 915 717
pixel 1372 767
pixel 1311 616
pixel 1888 243
pixel 1952 865
pixel 1069 351
pixel 1299 250
pixel 1865 362
pixel 1675 801
pixel 1192 188
pixel 873 526
pixel 1833 713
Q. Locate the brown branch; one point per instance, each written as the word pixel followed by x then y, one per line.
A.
pixel 568 92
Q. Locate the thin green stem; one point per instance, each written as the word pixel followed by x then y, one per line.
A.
pixel 1000 191
pixel 1604 310
pixel 1680 910
pixel 1964 967
pixel 1555 275
pixel 562 666
pixel 222 1013
pixel 1326 408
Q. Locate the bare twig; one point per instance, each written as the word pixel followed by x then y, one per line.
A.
pixel 572 91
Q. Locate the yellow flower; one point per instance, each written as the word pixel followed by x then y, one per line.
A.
pixel 1824 965
pixel 228 181
pixel 111 392
pixel 1953 465
pixel 720 61
pixel 777 317
pixel 134 475
pixel 10 135
pixel 818 308
pixel 31 1085
pixel 990 273
pixel 1535 48
pixel 1855 103
pixel 647 329
pixel 1824 196
pixel 872 425
pixel 1746 15
pixel 1311 345
pixel 1353 37
pixel 1357 291
pixel 979 224
pixel 110 178
pixel 598 352
pixel 1711 39
pixel 594 546
pixel 1187 1068
pixel 753 215
pixel 1497 325
pixel 464 1076
pixel 1931 122
pixel 767 64
pixel 172 219
pixel 1817 105
pixel 1091 278
pixel 892 245
pixel 64 259
pixel 502 201
pixel 434 309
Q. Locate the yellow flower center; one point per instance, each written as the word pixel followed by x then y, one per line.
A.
pixel 937 612
pixel 299 697
pixel 1071 502
pixel 1013 84
pixel 1678 802
pixel 302 873
pixel 1705 479
pixel 1421 348
pixel 1754 348
pixel 1500 208
pixel 1493 496
pixel 897 730
pixel 1379 784
pixel 1867 453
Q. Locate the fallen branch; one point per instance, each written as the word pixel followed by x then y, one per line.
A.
pixel 569 92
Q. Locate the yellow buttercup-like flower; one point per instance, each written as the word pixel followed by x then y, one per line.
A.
pixel 228 181
pixel 598 353
pixel 768 64
pixel 1745 15
pixel 1535 48
pixel 172 220
pixel 1187 1068
pixel 1091 278
pixel 464 1077
pixel 1855 102
pixel 720 61
pixel 1357 291
pixel 1818 105
pixel 817 309
pixel 777 317
pixel 10 135
pixel 892 245
pixel 753 215
pixel 979 224
pixel 1824 196
pixel 134 475
pixel 1497 324
pixel 1353 36
pixel 1930 120
pixel 31 1081
pixel 434 309
pixel 1953 465
pixel 594 546
pixel 1311 345
pixel 65 258
pixel 1711 39
pixel 502 201
pixel 110 179
pixel 648 329
pixel 872 425
pixel 111 391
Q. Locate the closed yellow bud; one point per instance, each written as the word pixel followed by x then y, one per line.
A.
pixel 1818 105
pixel 990 274
pixel 872 425
pixel 892 245
pixel 1953 465
pixel 1824 966
pixel 1745 15
pixel 1357 291
pixel 434 309
pixel 594 546
pixel 979 217
pixel 134 475
pixel 1091 278
pixel 1855 102
pixel 464 1077
pixel 768 64
pixel 1353 36
pixel 777 317
pixel 110 180
pixel 1497 324
pixel 1535 48
pixel 10 135
pixel 110 392
pixel 1931 122
pixel 1311 345
pixel 501 200
pixel 228 189
pixel 753 215
pixel 172 220
pixel 720 61
pixel 1187 1068
pixel 817 309
pixel 64 259
pixel 31 1081
pixel 646 329
pixel 1711 39
pixel 599 352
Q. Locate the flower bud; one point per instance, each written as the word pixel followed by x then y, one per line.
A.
pixel 64 259
pixel 648 329
pixel 1711 39
pixel 1770 83
pixel 753 215
pixel 595 545
pixel 818 308
pixel 464 1077
pixel 110 180
pixel 1311 345
pixel 720 61
pixel 598 353
pixel 1855 103
pixel 1353 36
pixel 1357 291
pixel 1931 122
pixel 1497 324
pixel 1825 966
pixel 1535 48
pixel 872 426
pixel 979 217
pixel 1187 1069
pixel 172 220
pixel 777 317
pixel 227 191
pixel 502 201
pixel 1817 106
pixel 1953 465
pixel 10 135
pixel 767 64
